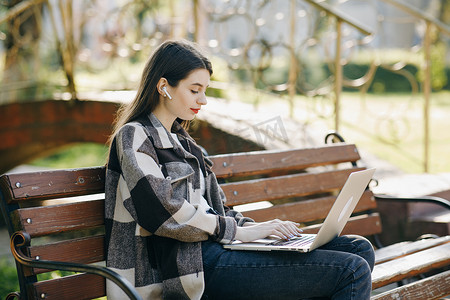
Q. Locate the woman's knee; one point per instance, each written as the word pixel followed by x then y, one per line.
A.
pixel 365 250
pixel 357 245
pixel 363 276
pixel 354 281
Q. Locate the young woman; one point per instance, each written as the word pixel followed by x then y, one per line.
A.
pixel 166 218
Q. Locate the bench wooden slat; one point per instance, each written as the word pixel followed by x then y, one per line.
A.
pixel 433 287
pixel 38 221
pixel 54 184
pixel 83 250
pixel 267 189
pixel 301 185
pixel 307 210
pixel 73 287
pixel 411 265
pixel 362 225
pixel 258 162
pixel 406 248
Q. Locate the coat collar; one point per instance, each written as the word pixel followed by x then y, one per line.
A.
pixel 162 139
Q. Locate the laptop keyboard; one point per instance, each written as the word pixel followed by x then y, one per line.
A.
pixel 296 242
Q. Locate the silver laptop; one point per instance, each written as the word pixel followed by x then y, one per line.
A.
pixel 332 226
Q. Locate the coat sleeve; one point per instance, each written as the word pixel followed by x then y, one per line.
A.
pixel 218 199
pixel 148 196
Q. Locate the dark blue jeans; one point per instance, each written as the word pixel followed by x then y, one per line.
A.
pixel 340 269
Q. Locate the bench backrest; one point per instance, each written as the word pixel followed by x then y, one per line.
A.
pixel 63 211
pixel 299 185
pixel 62 215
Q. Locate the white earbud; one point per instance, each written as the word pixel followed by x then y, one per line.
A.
pixel 166 92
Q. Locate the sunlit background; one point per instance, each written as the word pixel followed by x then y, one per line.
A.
pixel 286 72
pixel 376 71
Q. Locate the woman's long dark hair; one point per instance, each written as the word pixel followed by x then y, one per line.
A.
pixel 173 60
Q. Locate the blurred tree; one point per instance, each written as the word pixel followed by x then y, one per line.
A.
pixel 94 30
pixel 65 43
pixel 23 29
pixel 439 48
pixel 445 12
pixel 22 35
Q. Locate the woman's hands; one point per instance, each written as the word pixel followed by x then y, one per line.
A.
pixel 282 229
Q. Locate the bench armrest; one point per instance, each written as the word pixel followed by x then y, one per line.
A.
pixel 425 199
pixel 21 239
pixel 422 199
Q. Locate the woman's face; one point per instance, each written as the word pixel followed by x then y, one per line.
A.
pixel 187 98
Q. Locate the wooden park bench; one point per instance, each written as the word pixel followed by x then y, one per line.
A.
pixel 56 218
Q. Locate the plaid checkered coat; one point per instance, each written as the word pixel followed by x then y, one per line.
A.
pixel 154 228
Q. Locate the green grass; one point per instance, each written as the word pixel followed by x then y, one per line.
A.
pixel 75 156
pixel 8 277
pixel 392 127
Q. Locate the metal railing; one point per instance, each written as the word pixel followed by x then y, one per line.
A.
pixel 269 45
pixel 219 16
pixel 430 22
